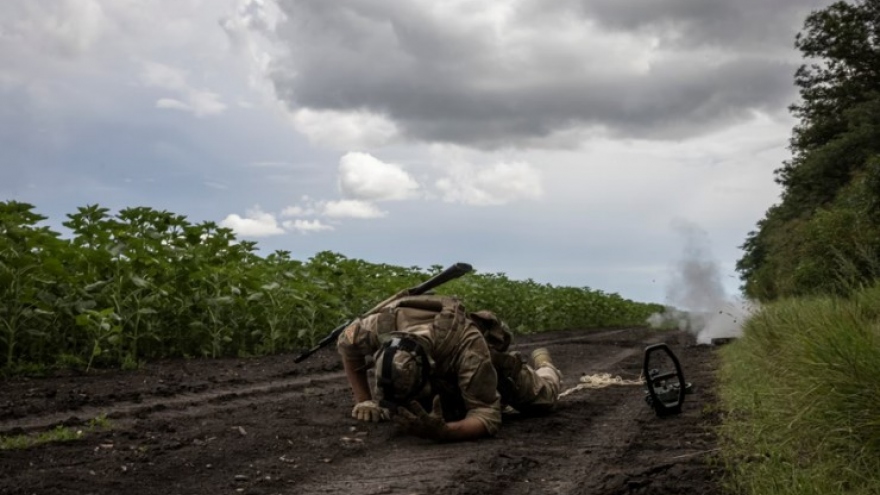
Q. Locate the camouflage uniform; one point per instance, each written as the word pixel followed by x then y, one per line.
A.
pixel 463 351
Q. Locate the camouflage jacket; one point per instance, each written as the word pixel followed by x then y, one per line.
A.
pixel 461 365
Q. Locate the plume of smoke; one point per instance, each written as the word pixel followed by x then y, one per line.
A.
pixel 696 299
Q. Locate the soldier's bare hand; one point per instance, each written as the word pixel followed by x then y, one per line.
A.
pixel 414 420
pixel 370 410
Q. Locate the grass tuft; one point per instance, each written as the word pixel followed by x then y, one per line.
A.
pixel 800 397
pixel 58 434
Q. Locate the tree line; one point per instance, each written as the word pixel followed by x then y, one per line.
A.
pixel 823 237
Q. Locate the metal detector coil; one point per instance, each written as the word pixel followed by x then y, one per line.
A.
pixel 665 389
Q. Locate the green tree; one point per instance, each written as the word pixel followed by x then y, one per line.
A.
pixel 837 136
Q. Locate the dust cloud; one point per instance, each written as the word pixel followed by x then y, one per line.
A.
pixel 696 299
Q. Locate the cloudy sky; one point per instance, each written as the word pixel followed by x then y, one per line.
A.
pixel 581 143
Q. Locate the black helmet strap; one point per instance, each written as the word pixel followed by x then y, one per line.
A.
pixel 386 383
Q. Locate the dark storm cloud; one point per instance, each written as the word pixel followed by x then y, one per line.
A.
pixel 733 24
pixel 448 77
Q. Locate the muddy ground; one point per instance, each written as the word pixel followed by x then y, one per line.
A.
pixel 268 426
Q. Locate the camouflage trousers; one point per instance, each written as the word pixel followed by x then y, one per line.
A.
pixel 524 388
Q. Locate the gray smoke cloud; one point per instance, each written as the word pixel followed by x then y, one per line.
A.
pixel 696 298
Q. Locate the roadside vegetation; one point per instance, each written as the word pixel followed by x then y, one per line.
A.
pixel 800 394
pixel 801 398
pixel 142 284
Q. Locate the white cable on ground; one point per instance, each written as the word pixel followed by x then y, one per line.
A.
pixel 600 380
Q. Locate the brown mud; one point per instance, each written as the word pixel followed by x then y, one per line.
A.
pixel 268 426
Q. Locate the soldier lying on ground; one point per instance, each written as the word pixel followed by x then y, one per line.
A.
pixel 429 353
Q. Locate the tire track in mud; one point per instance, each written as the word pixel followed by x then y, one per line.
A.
pixel 187 404
pixel 539 340
pixel 574 440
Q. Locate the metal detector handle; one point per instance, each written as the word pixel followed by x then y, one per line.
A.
pixel 651 382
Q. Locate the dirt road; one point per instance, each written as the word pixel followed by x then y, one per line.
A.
pixel 267 426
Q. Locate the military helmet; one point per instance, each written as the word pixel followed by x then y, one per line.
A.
pixel 402 370
pixel 495 331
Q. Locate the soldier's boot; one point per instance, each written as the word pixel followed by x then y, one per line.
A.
pixel 541 358
pixel 546 370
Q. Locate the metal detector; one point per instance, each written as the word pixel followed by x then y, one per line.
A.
pixel 665 389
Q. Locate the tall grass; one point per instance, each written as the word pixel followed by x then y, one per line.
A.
pixel 801 396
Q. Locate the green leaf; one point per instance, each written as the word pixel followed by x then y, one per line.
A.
pixel 117 249
pixel 33 332
pixel 95 285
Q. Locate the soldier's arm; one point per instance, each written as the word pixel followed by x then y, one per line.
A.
pixel 416 421
pixel 356 342
pixel 479 386
pixel 356 372
pixel 470 428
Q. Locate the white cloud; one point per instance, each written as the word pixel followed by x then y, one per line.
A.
pixel 497 184
pixel 199 102
pixel 250 31
pixel 363 177
pixel 256 223
pixel 44 45
pixel 344 130
pixel 72 57
pixel 66 28
pixel 270 164
pixel 164 76
pixel 351 208
pixel 344 208
pixel 172 104
pixel 297 211
pixel 216 185
pixel 306 226
pixel 204 103
pixel 250 15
